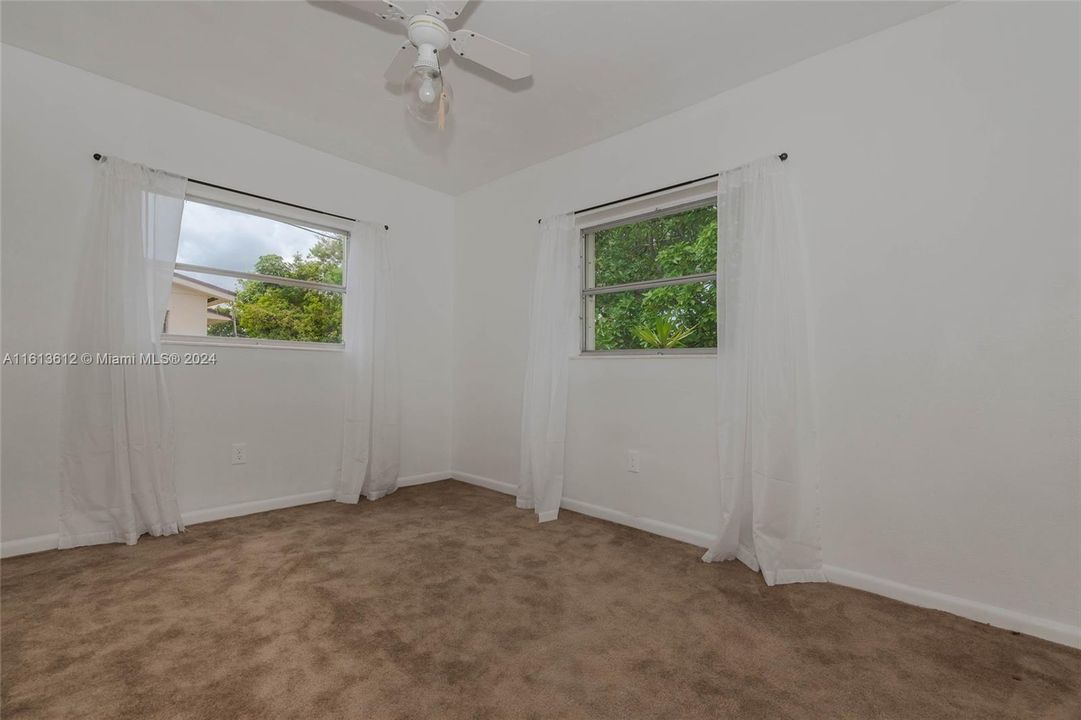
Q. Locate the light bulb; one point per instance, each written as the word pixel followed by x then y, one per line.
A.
pixel 426 92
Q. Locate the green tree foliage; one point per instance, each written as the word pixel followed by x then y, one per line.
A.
pixel 280 312
pixel 221 329
pixel 672 246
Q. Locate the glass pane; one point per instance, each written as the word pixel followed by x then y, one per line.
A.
pixel 673 316
pixel 681 244
pixel 234 240
pixel 218 306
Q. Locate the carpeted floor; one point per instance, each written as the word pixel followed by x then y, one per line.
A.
pixel 444 601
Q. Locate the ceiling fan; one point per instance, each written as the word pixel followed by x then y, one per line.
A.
pixel 428 95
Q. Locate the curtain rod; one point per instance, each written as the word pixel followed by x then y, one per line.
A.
pixel 100 158
pixel 782 157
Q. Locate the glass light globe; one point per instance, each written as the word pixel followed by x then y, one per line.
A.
pixel 423 89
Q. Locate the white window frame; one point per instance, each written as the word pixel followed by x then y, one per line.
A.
pixel 229 200
pixel 662 204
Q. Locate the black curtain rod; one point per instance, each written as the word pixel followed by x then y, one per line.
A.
pixel 99 157
pixel 782 157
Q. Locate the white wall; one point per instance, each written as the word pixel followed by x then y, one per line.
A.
pixel 285 404
pixel 938 166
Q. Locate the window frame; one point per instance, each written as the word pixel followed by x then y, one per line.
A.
pixel 654 206
pixel 279 212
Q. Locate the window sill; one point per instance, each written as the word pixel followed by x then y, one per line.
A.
pixel 210 341
pixel 634 355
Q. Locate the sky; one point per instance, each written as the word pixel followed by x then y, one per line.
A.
pixel 232 240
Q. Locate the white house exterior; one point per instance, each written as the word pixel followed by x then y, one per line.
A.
pixel 191 304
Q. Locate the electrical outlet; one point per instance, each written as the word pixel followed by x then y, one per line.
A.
pixel 240 453
pixel 633 461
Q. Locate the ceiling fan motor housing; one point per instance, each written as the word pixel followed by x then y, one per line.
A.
pixel 429 35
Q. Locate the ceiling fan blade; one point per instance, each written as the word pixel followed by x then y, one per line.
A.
pixel 446 9
pixel 402 64
pixel 380 8
pixel 492 54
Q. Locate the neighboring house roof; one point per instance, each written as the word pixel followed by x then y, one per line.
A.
pixel 215 295
pixel 213 317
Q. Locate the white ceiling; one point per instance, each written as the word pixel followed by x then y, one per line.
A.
pixel 312 72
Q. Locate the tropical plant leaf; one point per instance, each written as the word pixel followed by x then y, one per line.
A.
pixel 663 334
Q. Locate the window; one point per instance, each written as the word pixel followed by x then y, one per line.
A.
pixel 257 269
pixel 650 280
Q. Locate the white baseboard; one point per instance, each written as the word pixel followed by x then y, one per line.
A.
pixel 675 532
pixel 980 612
pixel 971 609
pixel 194 517
pixel 692 537
pixel 497 485
pixel 424 478
pixel 40 543
pixel 25 546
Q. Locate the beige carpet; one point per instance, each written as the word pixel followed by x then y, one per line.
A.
pixel 444 601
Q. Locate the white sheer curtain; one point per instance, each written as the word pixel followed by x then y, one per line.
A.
pixel 553 338
pixel 116 428
pixel 769 482
pixel 371 445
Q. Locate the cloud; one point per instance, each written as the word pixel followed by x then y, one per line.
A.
pixel 232 240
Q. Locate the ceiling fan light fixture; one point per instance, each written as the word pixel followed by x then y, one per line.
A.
pixel 428 95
